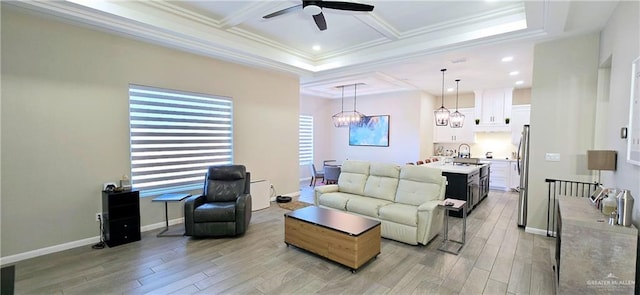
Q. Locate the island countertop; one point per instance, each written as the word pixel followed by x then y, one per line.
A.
pixel 451 168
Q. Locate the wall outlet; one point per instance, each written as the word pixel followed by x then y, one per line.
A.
pixel 552 157
pixel 98 216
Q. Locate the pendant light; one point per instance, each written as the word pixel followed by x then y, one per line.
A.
pixel 357 118
pixel 457 118
pixel 344 119
pixel 339 118
pixel 442 114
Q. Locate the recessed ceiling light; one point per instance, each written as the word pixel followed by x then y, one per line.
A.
pixel 507 58
pixel 514 73
pixel 519 82
pixel 316 47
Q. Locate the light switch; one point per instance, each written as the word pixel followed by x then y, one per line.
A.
pixel 552 157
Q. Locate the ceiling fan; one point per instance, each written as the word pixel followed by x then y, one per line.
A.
pixel 314 8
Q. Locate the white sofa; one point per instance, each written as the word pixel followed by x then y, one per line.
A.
pixel 405 199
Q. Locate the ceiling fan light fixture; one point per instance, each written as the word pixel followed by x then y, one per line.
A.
pixel 312 9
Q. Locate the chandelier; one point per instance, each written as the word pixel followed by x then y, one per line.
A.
pixel 457 118
pixel 442 114
pixel 344 119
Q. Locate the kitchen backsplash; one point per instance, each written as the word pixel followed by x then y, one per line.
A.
pixel 499 143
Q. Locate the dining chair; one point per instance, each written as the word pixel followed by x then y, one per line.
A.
pixel 331 174
pixel 420 162
pixel 410 163
pixel 427 160
pixel 329 163
pixel 315 174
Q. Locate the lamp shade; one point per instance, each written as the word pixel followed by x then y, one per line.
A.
pixel 601 160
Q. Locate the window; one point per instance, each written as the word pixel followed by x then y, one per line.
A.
pixel 175 136
pixel 305 140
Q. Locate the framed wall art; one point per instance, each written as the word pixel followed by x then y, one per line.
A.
pixel 374 131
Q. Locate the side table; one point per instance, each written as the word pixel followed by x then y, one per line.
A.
pixel 457 206
pixel 166 198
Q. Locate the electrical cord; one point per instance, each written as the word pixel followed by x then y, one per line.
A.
pixel 101 244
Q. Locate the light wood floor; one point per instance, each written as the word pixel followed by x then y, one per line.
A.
pixel 499 258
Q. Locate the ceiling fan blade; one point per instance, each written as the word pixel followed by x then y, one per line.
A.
pixel 345 5
pixel 283 11
pixel 320 22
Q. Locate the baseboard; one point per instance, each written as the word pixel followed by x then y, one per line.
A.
pixel 537 231
pixel 70 245
pixel 48 250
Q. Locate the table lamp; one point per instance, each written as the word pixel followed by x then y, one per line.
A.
pixel 601 160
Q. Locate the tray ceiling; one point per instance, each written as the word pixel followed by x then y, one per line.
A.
pixel 400 46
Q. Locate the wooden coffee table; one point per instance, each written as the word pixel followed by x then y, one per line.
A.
pixel 347 239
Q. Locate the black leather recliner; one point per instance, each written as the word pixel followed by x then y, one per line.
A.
pixel 224 208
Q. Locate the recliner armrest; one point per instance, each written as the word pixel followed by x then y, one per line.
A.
pixel 194 201
pixel 190 204
pixel 428 206
pixel 243 212
pixel 331 188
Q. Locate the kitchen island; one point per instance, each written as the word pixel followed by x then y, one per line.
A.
pixel 466 182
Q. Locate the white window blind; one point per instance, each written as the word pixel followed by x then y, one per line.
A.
pixel 175 136
pixel 305 140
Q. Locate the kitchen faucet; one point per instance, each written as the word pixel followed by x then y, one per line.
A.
pixel 466 154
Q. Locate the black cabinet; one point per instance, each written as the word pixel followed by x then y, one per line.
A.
pixel 484 181
pixel 121 217
pixel 463 187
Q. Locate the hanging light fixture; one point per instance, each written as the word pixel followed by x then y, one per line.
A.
pixel 344 119
pixel 357 118
pixel 457 118
pixel 442 114
pixel 339 118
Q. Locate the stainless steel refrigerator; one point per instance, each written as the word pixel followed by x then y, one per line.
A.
pixel 523 169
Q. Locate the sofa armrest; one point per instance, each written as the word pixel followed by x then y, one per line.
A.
pixel 430 220
pixel 331 188
pixel 428 206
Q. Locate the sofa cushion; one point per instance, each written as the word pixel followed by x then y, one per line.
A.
pixel 419 184
pixel 337 200
pixel 383 181
pixel 365 205
pixel 353 176
pixel 400 213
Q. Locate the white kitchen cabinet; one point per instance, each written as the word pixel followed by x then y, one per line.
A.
pixel 499 178
pixel 514 175
pixel 520 115
pixel 446 134
pixel 492 106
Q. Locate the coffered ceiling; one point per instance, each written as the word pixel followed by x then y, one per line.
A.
pixel 399 46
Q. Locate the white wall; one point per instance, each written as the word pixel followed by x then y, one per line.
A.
pixel 563 100
pixel 577 83
pixel 65 123
pixel 323 130
pixel 410 131
pixel 620 43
